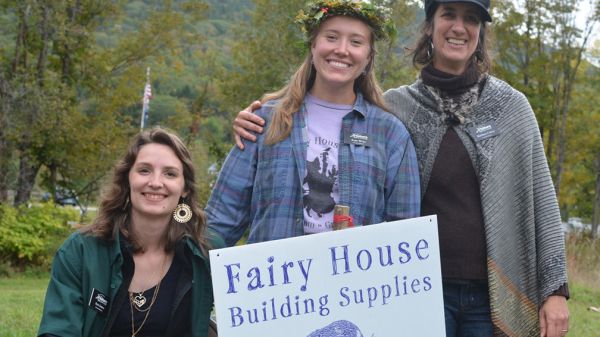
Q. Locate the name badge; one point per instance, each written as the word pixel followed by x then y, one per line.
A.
pixel 356 138
pixel 483 131
pixel 98 302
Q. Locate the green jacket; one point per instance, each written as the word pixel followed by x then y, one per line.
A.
pixel 84 263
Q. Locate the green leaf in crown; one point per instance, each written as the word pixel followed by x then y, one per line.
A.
pixel 376 16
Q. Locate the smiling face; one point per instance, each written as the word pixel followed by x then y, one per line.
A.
pixel 341 51
pixel 156 183
pixel 455 35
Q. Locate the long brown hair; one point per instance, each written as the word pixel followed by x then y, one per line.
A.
pixel 422 52
pixel 292 95
pixel 114 213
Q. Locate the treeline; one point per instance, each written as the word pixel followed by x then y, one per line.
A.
pixel 72 76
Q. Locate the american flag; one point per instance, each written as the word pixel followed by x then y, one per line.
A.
pixel 146 100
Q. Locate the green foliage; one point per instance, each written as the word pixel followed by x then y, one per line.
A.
pixel 393 67
pixel 583 146
pixel 68 111
pixel 44 69
pixel 211 58
pixel 30 236
pixel 539 49
pixel 376 15
pixel 268 50
pixel 524 55
pixel 233 10
pixel 206 171
pixel 6 269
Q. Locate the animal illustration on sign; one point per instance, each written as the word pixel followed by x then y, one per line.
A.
pixel 341 328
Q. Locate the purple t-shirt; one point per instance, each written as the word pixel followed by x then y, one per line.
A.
pixel 320 185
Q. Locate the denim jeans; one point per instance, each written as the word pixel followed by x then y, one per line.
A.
pixel 467 309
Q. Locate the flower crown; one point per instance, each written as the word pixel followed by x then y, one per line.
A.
pixel 376 16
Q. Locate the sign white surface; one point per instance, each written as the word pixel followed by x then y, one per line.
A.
pixel 374 281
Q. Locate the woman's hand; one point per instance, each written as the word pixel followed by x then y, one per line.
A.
pixel 245 122
pixel 554 317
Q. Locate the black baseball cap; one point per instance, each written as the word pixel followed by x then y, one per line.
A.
pixel 484 6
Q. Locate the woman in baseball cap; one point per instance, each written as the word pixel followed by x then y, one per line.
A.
pixel 484 173
pixel 483 5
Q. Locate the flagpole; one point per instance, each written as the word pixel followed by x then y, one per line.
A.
pixel 146 100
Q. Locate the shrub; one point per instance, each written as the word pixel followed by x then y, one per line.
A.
pixel 30 236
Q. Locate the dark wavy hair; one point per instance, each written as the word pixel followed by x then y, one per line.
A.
pixel 422 53
pixel 114 213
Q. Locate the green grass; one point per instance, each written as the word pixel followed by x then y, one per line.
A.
pixel 22 299
pixel 21 305
pixel 22 296
pixel 584 322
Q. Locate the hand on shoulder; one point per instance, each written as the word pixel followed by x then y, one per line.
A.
pixel 246 122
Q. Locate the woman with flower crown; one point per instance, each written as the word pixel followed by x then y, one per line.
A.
pixel 484 173
pixel 141 268
pixel 329 140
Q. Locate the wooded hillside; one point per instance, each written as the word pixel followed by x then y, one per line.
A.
pixel 72 74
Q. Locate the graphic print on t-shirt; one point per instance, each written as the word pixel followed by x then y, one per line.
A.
pixel 319 180
pixel 320 183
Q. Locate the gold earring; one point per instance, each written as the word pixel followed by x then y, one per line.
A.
pixel 182 213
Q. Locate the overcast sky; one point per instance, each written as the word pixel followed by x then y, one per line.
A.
pixel 582 14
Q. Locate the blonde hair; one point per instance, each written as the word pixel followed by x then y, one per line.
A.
pixel 292 94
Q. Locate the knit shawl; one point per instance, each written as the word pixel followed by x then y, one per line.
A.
pixel 524 238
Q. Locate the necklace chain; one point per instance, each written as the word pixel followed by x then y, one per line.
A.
pixel 140 298
pixel 132 304
pixel 134 299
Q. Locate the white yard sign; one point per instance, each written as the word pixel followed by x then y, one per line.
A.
pixel 376 281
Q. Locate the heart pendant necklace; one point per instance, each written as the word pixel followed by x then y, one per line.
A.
pixel 139 300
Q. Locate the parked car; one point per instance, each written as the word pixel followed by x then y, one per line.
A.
pixel 63 197
pixel 576 225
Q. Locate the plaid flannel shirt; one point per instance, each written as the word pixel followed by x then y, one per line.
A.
pixel 261 186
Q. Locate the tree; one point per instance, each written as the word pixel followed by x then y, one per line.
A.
pixel 540 52
pixel 579 194
pixel 267 52
pixel 569 56
pixel 595 54
pixel 591 140
pixel 393 67
pixel 596 214
pixel 61 81
pixel 5 147
pixel 50 39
